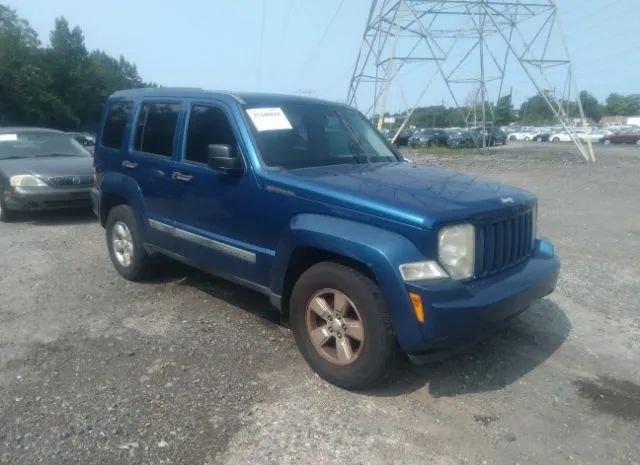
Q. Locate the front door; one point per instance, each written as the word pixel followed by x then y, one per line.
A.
pixel 218 215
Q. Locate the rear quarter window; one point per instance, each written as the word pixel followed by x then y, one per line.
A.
pixel 118 116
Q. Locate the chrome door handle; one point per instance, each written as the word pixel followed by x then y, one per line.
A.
pixel 129 164
pixel 176 175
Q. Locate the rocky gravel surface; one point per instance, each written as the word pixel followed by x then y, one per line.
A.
pixel 189 369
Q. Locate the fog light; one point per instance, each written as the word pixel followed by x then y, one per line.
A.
pixel 418 309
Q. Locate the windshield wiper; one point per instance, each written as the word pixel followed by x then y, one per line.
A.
pixel 13 157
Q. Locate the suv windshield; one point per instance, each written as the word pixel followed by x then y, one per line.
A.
pixel 34 144
pixel 302 135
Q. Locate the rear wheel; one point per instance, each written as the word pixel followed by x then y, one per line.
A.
pixel 555 140
pixel 341 325
pixel 125 245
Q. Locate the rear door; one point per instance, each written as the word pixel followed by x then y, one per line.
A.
pixel 154 143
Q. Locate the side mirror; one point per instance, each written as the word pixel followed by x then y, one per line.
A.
pixel 223 158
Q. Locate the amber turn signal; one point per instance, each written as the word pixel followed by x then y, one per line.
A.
pixel 416 300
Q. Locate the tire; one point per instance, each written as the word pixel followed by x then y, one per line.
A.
pixel 6 215
pixel 638 142
pixel 606 142
pixel 513 138
pixel 555 140
pixel 373 356
pixel 138 267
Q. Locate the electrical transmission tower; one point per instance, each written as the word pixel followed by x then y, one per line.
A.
pixel 473 47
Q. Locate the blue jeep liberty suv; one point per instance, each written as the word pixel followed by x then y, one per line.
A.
pixel 365 253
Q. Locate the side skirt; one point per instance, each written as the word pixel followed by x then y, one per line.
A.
pixel 274 299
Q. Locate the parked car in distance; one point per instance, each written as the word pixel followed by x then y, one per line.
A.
pixel 497 137
pixel 541 136
pixel 522 136
pixel 87 140
pixel 595 135
pixel 403 138
pixel 464 139
pixel 560 137
pixel 304 201
pixel 625 137
pixel 428 137
pixel 42 169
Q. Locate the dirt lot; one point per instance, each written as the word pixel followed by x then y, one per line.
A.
pixel 188 369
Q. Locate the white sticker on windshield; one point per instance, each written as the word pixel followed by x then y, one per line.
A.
pixel 8 137
pixel 269 119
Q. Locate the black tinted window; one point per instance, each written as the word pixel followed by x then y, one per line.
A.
pixel 115 124
pixel 207 125
pixel 156 128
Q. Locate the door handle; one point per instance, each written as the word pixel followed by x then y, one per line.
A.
pixel 178 176
pixel 129 164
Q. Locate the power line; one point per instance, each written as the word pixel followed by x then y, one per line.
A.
pixel 327 28
pixel 264 15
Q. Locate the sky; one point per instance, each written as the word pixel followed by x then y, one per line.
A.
pixel 309 46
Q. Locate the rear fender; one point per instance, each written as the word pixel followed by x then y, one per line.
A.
pixel 126 187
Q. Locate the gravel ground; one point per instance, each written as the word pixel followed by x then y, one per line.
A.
pixel 188 369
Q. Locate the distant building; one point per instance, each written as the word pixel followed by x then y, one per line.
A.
pixel 620 120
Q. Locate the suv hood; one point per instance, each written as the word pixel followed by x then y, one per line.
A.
pixel 420 195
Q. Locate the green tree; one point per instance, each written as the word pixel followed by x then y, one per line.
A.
pixel 622 105
pixel 535 110
pixel 61 86
pixel 504 112
pixel 592 108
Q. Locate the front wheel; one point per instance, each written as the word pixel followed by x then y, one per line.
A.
pixel 6 215
pixel 556 140
pixel 125 244
pixel 341 325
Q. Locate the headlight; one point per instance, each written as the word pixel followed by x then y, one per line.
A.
pixel 25 180
pixel 456 250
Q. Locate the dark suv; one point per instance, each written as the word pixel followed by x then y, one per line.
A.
pixel 304 201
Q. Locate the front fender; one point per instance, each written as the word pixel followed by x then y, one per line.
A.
pixel 381 251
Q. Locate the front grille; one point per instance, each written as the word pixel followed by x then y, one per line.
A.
pixel 503 243
pixel 71 181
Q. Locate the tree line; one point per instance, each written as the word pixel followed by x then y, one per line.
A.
pixel 534 110
pixel 62 85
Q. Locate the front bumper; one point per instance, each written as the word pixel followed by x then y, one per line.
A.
pixel 46 198
pixel 458 314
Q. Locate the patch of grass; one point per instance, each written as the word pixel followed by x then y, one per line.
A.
pixel 438 151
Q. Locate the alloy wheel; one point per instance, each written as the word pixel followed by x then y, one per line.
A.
pixel 122 243
pixel 334 326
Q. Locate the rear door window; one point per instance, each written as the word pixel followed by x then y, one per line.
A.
pixel 156 128
pixel 115 123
